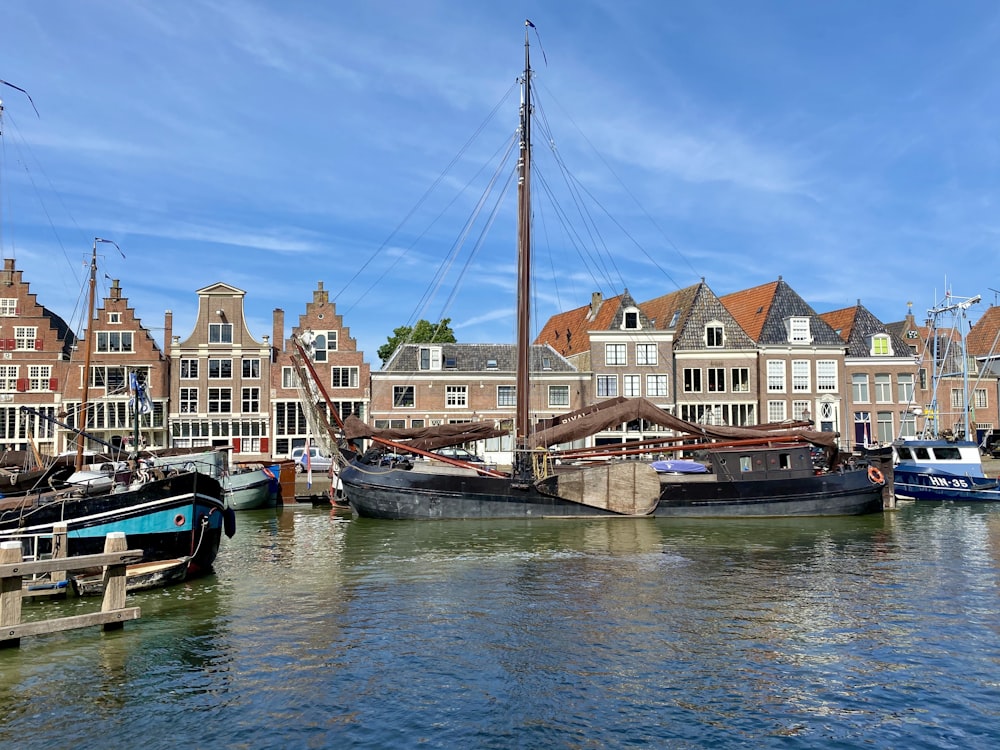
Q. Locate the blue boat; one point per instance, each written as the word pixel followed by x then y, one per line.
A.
pixel 941 470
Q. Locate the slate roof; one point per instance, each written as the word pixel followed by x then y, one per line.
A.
pixel 763 310
pixel 691 309
pixel 856 325
pixel 476 358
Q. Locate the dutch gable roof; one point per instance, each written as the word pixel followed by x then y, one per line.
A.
pixel 856 325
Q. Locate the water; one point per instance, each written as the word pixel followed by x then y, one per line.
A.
pixel 321 631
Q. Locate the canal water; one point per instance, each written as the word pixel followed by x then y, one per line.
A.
pixel 319 630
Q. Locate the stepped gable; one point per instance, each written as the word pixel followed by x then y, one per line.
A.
pixel 856 325
pixel 983 339
pixel 568 333
pixel 479 358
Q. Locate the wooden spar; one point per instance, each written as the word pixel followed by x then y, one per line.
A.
pixel 663 444
pixel 88 334
pixel 319 384
pixel 522 390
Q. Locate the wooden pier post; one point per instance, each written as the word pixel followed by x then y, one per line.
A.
pixel 114 579
pixel 60 549
pixel 10 590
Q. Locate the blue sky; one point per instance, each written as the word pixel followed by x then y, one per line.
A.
pixel 850 147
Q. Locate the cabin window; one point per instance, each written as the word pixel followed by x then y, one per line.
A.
pixel 220 333
pixel 558 395
pixel 746 463
pixel 947 453
pixel 402 396
pixel 784 461
pixel 615 354
pixel 921 453
pixel 656 385
pixel 903 452
pixel 775 376
pixel 714 336
pixel 506 395
pixel 740 377
pixel 646 354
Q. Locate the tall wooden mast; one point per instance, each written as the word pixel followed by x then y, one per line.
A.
pixel 88 337
pixel 523 392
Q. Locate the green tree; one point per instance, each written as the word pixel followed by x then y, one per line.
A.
pixel 424 332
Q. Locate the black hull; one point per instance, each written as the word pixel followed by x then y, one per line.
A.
pixel 383 492
pixel 180 516
pixel 834 494
pixel 380 492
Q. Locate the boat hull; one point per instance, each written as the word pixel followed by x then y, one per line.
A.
pixel 378 492
pixel 138 577
pixel 249 490
pixel 849 493
pixel 179 516
pixel 392 493
pixel 942 470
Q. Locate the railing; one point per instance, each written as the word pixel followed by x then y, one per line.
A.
pixel 113 614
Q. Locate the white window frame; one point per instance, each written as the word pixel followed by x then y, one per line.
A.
pixel 775 376
pixel 456 396
pixel 556 399
pixel 647 354
pixel 616 355
pixel 801 380
pixel 657 386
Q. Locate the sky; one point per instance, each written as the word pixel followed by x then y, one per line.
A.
pixel 851 148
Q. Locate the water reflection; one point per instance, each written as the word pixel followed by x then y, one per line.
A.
pixel 319 629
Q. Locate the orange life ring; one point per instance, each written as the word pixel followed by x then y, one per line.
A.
pixel 875 475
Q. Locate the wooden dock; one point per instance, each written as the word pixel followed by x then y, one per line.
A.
pixel 13 569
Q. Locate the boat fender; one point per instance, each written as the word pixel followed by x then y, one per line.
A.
pixel 875 475
pixel 229 522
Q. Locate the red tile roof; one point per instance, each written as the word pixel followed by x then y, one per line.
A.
pixel 750 307
pixel 567 332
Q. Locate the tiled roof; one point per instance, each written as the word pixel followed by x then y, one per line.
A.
pixel 478 358
pixel 567 333
pixel 690 310
pixel 750 307
pixel 662 311
pixel 763 310
pixel 983 339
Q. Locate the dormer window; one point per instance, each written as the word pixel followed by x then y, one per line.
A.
pixel 798 331
pixel 881 346
pixel 674 319
pixel 714 335
pixel 630 322
pixel 430 358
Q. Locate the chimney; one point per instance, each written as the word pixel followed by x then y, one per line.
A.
pixel 595 303
pixel 278 329
pixel 116 290
pixel 168 331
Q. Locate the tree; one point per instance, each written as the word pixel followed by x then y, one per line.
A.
pixel 424 332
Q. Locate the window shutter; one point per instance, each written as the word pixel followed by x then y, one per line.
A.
pixel 3 345
pixel 236 445
pixel 38 345
pixel 22 385
pixel 263 445
pixel 53 384
pixel 8 345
